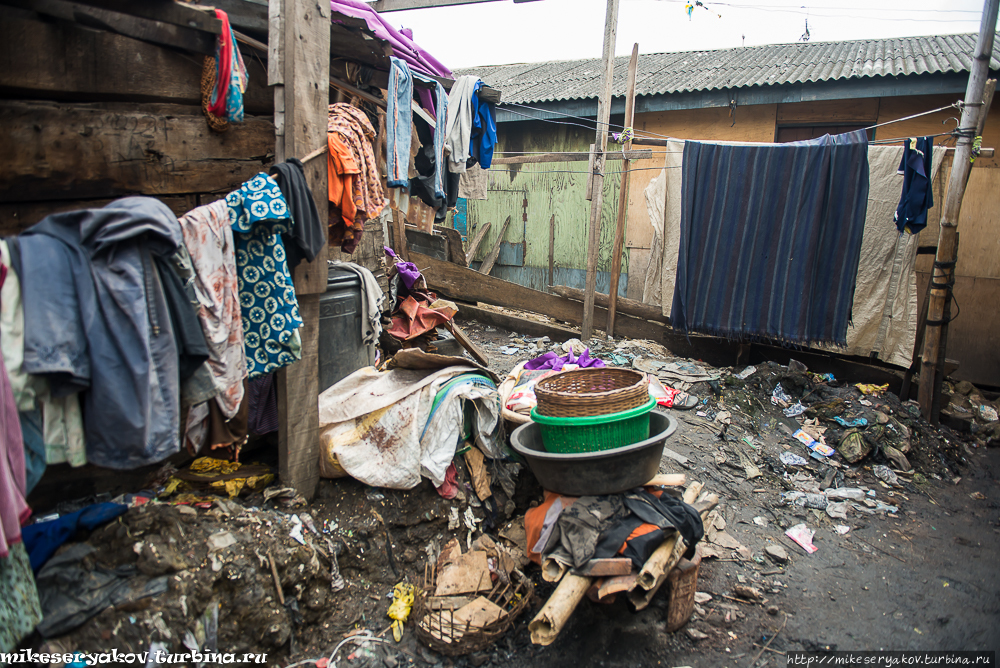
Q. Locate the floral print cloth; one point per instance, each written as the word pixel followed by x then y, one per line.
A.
pixel 20 609
pixel 259 216
pixel 208 236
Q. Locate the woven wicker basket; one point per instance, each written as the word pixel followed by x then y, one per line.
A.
pixel 588 392
pixel 438 630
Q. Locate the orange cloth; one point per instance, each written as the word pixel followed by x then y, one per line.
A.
pixel 534 520
pixel 341 171
pixel 413 319
pixel 345 222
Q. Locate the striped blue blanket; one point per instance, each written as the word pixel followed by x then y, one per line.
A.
pixel 770 239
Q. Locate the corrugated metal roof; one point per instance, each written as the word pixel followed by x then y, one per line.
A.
pixel 775 64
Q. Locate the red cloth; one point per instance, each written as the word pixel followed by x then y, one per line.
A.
pixel 449 488
pixel 413 319
pixel 225 74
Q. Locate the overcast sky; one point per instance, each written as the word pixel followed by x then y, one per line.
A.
pixel 494 33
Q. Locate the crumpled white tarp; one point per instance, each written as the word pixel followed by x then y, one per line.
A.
pixel 884 311
pixel 372 425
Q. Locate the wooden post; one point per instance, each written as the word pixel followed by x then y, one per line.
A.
pixel 299 71
pixel 552 250
pixel 597 180
pixel 943 274
pixel 617 249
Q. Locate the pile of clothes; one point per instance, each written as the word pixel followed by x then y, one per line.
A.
pixel 355 185
pixel 123 324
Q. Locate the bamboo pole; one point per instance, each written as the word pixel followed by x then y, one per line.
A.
pixel 549 621
pixel 617 249
pixel 943 274
pixel 601 145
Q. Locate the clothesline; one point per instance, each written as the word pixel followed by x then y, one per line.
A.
pixel 954 105
pixel 647 134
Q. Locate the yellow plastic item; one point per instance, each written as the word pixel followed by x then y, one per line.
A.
pixel 874 390
pixel 402 604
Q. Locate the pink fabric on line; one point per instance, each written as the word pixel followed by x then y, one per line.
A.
pixel 14 510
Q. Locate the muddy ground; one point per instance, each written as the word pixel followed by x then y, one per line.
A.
pixel 922 578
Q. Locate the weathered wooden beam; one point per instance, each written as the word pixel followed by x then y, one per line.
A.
pixel 300 42
pixel 39 59
pixel 89 151
pixel 491 259
pixel 147 30
pixel 597 181
pixel 165 11
pixel 571 156
pixel 18 216
pixel 628 306
pixel 552 249
pixel 476 241
pixel 617 248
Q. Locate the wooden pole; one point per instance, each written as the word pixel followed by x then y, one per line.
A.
pixel 601 144
pixel 943 274
pixel 299 71
pixel 552 248
pixel 617 249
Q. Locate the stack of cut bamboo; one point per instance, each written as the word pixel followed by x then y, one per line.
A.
pixel 640 587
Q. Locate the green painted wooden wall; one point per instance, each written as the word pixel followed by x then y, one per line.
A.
pixel 557 188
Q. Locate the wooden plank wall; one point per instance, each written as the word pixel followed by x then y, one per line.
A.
pixel 555 188
pixel 90 116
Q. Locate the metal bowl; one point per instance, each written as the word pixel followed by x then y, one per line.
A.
pixel 594 473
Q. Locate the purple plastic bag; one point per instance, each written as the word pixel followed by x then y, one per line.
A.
pixel 553 361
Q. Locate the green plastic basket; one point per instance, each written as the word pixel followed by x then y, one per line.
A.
pixel 599 432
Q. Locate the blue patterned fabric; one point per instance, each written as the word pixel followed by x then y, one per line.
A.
pixel 259 215
pixel 771 238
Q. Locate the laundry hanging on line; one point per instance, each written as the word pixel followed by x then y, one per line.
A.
pixel 770 239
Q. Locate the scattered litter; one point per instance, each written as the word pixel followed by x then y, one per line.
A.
pixel 220 541
pixel 885 474
pixel 842 529
pixel 745 591
pixel 988 413
pixel 838 511
pixel 797 409
pixel 702 597
pixel 814 445
pixel 978 496
pixel 777 553
pixel 853 493
pixel 874 390
pixel 879 506
pixel 805 499
pixel 399 611
pixel 779 397
pixel 296 532
pixel 792 459
pixel 802 535
pixel 746 373
pixel 510 350
pixel 854 422
pixel 760 521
